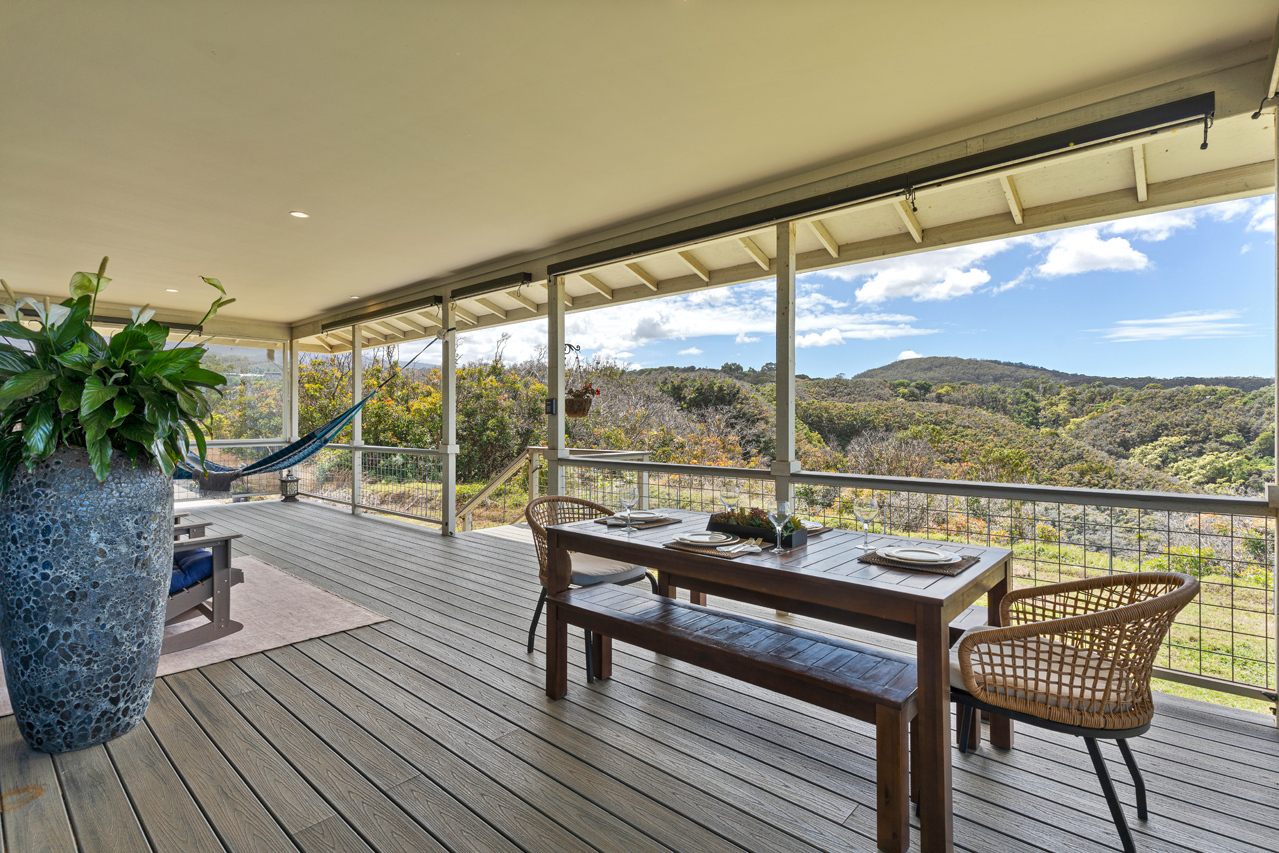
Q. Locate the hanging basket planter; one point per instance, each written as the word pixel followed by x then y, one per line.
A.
pixel 577 407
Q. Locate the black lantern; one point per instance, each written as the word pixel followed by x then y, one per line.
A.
pixel 288 486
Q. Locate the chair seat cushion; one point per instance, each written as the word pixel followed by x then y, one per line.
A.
pixel 589 570
pixel 1050 673
pixel 189 568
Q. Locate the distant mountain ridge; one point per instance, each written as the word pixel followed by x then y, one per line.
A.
pixel 949 369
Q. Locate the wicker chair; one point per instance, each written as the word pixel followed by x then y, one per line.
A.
pixel 1075 658
pixel 586 570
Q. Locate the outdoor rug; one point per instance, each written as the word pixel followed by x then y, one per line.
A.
pixel 276 608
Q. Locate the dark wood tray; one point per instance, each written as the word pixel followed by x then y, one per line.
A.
pixel 768 534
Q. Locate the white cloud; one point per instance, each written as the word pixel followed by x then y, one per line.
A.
pixel 820 339
pixel 1081 250
pixel 1184 325
pixel 1263 219
pixel 1158 226
pixel 690 351
pixel 909 353
pixel 929 276
pixel 744 313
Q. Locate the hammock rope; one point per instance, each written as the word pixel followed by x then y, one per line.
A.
pixel 213 477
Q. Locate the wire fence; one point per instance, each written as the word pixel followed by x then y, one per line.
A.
pixel 405 483
pixel 234 456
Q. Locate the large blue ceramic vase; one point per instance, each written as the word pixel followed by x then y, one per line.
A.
pixel 84 577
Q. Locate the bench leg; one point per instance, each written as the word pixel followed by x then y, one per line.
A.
pixel 698 598
pixel 891 780
pixel 556 653
pixel 602 655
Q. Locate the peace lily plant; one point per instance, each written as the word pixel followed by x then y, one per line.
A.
pixel 65 385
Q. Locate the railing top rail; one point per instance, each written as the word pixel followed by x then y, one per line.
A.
pixel 245 442
pixel 377 448
pixel 1170 501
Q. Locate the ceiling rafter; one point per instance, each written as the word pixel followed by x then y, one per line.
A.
pixel 522 299
pixel 756 253
pixel 823 237
pixel 1013 199
pixel 908 217
pixel 644 276
pixel 1139 170
pixel 695 265
pixel 603 289
pixel 491 306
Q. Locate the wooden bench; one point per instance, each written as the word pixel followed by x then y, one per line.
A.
pixel 189 529
pixel 868 684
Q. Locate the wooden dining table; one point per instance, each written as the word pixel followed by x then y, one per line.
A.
pixel 824 579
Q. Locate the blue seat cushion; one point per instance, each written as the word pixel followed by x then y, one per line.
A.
pixel 189 568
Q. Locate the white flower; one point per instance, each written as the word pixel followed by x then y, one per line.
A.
pixel 141 316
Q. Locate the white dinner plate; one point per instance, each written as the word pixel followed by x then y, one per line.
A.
pixel 707 538
pixel 920 555
pixel 641 515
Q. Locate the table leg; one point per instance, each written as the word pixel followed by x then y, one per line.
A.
pixel 557 578
pixel 697 598
pixel 1001 728
pixel 936 827
pixel 602 653
pixel 664 584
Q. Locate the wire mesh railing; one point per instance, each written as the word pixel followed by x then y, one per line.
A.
pixel 1225 640
pixel 403 482
pixel 235 454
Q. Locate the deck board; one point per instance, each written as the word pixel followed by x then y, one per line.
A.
pixel 431 732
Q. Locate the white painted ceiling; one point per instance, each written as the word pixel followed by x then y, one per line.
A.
pixel 426 137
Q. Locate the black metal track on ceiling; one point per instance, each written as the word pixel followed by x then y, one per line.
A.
pixel 491 286
pixel 1148 119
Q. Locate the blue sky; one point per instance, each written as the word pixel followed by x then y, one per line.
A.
pixel 1183 293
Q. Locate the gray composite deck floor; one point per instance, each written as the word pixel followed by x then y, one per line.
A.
pixel 430 732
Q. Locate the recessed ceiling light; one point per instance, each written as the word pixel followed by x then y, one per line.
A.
pixel 355 297
pixel 299 214
pixel 170 290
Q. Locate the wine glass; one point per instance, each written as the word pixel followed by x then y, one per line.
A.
pixel 866 508
pixel 779 515
pixel 629 496
pixel 729 495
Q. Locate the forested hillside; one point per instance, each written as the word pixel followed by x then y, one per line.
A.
pixel 938 370
pixel 1103 434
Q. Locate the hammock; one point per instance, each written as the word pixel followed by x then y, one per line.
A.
pixel 212 477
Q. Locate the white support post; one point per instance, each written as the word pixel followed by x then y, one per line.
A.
pixel 448 418
pixel 292 386
pixel 784 462
pixel 1274 518
pixel 645 497
pixel 357 424
pixel 555 444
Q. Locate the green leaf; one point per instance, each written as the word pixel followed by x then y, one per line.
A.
pixel 133 431
pixel 156 333
pixel 78 358
pixel 14 360
pixel 25 384
pixel 95 423
pixel 13 329
pixel 200 376
pixel 96 394
pixel 128 342
pixel 72 391
pixel 123 408
pixel 172 362
pixel 100 457
pixel 213 282
pixel 87 283
pixel 37 431
pixel 198 435
pixel 162 458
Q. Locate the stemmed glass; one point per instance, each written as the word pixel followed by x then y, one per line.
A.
pixel 628 494
pixel 779 515
pixel 729 496
pixel 866 508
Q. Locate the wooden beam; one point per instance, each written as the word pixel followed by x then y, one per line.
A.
pixel 429 319
pixel 373 336
pixel 491 306
pixel 908 216
pixel 754 251
pixel 823 237
pixel 1010 194
pixel 464 315
pixel 568 300
pixel 343 337
pixel 413 327
pixel 1139 168
pixel 604 289
pixel 522 299
pixel 644 276
pixel 695 265
pixel 1272 64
